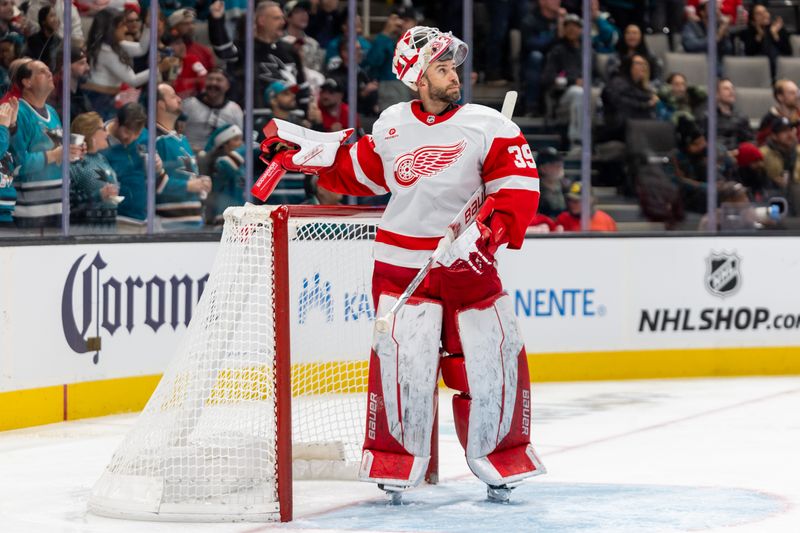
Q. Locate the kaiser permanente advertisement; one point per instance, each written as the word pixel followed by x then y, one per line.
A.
pixel 71 314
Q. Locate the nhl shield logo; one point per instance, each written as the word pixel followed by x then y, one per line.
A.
pixel 723 274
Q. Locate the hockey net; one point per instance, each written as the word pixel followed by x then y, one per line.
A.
pixel 273 367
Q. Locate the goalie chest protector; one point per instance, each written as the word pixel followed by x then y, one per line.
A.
pixel 432 165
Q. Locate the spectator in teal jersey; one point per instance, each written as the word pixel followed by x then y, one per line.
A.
pixel 378 61
pixel 10 49
pixel 225 151
pixel 8 195
pixel 604 33
pixel 332 49
pixel 178 203
pixel 94 189
pixel 127 155
pixel 36 145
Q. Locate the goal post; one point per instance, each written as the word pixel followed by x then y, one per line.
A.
pixel 268 383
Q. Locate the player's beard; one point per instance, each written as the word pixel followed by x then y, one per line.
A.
pixel 449 95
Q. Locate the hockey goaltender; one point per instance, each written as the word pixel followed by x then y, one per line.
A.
pixel 433 155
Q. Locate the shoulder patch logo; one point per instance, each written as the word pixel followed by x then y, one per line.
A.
pixel 425 162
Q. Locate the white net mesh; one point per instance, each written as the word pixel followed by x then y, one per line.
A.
pixel 204 446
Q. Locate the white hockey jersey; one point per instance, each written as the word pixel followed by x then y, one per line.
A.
pixel 432 165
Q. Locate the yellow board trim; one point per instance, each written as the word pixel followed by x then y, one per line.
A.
pixel 31 407
pixel 655 364
pixel 109 396
pixel 98 398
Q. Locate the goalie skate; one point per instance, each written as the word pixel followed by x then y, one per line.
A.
pixel 498 494
pixel 394 492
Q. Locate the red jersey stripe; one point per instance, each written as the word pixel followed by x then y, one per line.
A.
pixel 370 162
pixel 406 241
pixel 341 176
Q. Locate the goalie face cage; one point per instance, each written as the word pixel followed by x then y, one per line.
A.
pixel 215 441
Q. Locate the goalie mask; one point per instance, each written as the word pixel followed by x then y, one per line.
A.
pixel 419 47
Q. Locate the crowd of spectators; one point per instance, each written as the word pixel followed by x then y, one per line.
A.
pixel 631 83
pixel 301 60
pixel 300 73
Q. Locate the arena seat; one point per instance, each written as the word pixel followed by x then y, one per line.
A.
pixel 693 66
pixel 753 102
pixel 789 68
pixel 748 71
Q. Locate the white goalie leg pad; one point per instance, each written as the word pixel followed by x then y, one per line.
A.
pixel 491 341
pixel 411 477
pixel 488 472
pixel 498 446
pixel 408 354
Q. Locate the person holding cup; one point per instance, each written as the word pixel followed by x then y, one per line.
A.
pixel 94 188
pixel 8 194
pixel 37 149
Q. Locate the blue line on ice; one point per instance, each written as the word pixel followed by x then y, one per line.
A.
pixel 460 507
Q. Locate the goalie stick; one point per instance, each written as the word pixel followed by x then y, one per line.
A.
pixel 457 227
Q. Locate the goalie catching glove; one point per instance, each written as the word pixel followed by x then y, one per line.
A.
pixel 288 147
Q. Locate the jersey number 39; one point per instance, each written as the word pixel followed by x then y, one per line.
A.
pixel 523 157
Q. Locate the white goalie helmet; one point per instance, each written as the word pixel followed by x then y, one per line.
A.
pixel 419 47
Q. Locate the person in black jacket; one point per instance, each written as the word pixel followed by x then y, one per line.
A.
pixel 765 37
pixel 541 28
pixel 628 96
pixel 367 93
pixel 562 78
pixel 46 44
pixel 632 43
pixel 275 60
pixel 733 128
pixel 325 21
pixel 79 68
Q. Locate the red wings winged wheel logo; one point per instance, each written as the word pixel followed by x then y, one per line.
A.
pixel 426 161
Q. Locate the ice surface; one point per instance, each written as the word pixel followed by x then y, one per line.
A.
pixel 644 456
